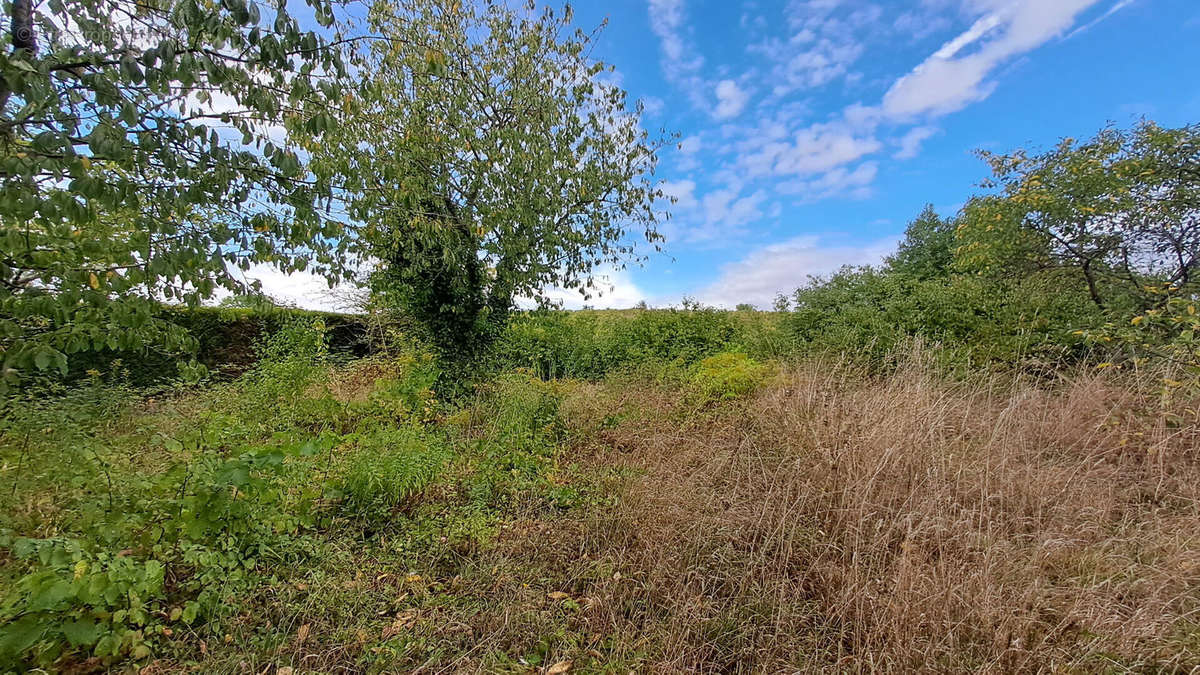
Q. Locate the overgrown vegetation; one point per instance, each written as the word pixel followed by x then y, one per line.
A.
pixel 982 455
pixel 174 508
pixel 688 507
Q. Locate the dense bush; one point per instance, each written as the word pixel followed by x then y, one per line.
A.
pixel 587 344
pixel 867 312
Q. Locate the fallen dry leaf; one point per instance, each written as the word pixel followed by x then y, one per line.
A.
pixel 559 668
pixel 302 634
pixel 557 595
pixel 404 620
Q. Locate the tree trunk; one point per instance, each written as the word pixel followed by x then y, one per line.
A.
pixel 22 26
pixel 1091 284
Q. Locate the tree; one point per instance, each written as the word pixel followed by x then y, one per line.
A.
pixel 489 158
pixel 1121 211
pixel 927 250
pixel 144 158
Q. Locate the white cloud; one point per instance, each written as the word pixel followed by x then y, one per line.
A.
pixel 686 159
pixel 612 289
pixel 784 267
pixel 910 143
pixel 713 217
pixel 690 145
pixel 725 208
pixel 680 61
pixel 813 149
pixel 920 25
pixel 977 30
pixel 731 100
pixel 949 80
pixel 666 20
pixel 824 40
pixel 653 106
pixel 301 289
pixel 839 182
pixel 684 192
pixel 1120 5
pixel 782 149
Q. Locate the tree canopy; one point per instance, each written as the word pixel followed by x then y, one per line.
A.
pixel 145 158
pixel 488 157
pixel 927 250
pixel 1121 210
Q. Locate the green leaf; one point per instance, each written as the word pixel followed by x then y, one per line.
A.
pixel 20 635
pixel 50 595
pixel 190 612
pixel 82 632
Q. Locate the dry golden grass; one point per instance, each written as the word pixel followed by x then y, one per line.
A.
pixel 841 522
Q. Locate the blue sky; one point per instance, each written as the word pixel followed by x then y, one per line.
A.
pixel 813 130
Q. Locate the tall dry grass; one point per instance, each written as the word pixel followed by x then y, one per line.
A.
pixel 842 522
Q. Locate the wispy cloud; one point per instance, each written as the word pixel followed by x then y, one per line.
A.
pixel 770 149
pixel 711 217
pixel 681 62
pixel 956 75
pixel 824 39
pixel 910 143
pixel 682 191
pixel 1120 5
pixel 838 182
pixel 808 150
pixel 783 267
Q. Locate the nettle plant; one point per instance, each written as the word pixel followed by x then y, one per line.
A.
pixel 145 158
pixel 153 551
pixel 193 537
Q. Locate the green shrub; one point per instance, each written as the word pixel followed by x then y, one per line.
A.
pixel 77 599
pixel 589 344
pixel 232 491
pixel 725 377
pixel 1166 338
pixel 866 313
pixel 513 440
pixel 274 394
